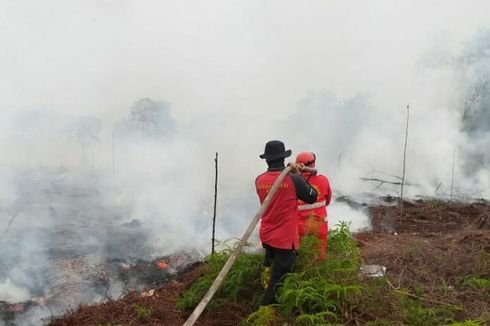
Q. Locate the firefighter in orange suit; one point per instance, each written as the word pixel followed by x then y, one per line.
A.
pixel 279 223
pixel 313 217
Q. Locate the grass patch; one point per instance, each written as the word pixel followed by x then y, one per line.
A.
pixel 141 312
pixel 478 283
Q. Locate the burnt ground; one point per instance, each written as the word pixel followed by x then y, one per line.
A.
pixel 431 249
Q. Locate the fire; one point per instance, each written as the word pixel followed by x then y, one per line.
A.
pixel 162 264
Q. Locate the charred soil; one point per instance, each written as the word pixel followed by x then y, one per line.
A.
pixel 430 255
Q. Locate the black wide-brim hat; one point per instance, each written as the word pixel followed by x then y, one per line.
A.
pixel 274 150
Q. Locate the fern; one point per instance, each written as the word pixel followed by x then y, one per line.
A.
pixel 321 291
pixel 241 283
pixel 478 283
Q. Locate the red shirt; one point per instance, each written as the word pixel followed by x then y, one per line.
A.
pixel 279 224
pixel 322 186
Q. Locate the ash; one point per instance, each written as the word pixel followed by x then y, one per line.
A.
pixel 64 243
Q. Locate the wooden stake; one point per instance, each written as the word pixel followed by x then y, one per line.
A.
pixel 215 200
pixel 226 268
pixel 452 174
pixel 404 164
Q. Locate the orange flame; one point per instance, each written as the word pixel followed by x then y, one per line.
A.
pixel 162 264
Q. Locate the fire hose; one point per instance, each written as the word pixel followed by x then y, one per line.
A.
pixel 231 260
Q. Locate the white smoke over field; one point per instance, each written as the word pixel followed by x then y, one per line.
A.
pixel 112 112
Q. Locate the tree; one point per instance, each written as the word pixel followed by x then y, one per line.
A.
pixel 152 118
pixel 85 130
pixel 474 64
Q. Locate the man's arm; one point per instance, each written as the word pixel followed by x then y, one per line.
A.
pixel 304 191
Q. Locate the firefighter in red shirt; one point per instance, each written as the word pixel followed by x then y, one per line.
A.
pixel 279 223
pixel 313 217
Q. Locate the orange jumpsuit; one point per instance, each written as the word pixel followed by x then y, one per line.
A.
pixel 313 217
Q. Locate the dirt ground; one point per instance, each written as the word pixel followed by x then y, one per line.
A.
pixel 432 248
pixel 429 248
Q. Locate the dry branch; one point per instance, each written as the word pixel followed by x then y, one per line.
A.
pixel 389 182
pixel 10 222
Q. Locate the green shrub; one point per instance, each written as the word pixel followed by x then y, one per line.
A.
pixel 317 293
pixel 328 292
pixel 265 315
pixel 417 312
pixel 322 291
pixel 241 284
pixel 478 283
pixel 142 312
pixel 418 315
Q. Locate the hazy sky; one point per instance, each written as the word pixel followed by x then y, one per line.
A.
pixel 234 72
pixel 252 57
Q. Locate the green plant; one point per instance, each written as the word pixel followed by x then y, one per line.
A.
pixel 243 282
pixel 142 312
pixel 380 322
pixel 483 265
pixel 320 292
pixel 478 283
pixel 444 287
pixel 314 319
pixel 417 312
pixel 418 315
pixel 414 247
pixel 265 315
pixel 418 289
pixel 330 291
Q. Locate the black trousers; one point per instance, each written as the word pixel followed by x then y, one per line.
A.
pixel 282 262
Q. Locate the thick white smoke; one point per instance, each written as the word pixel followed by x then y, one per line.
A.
pixel 225 76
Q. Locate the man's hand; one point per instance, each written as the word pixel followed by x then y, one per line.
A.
pixel 296 167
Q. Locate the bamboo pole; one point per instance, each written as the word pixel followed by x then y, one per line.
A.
pixel 215 200
pixel 226 268
pixel 404 163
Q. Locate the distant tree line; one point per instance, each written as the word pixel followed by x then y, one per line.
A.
pixel 147 119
